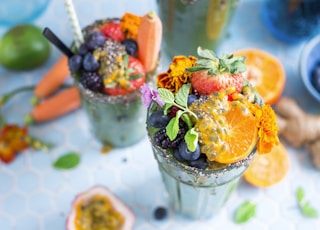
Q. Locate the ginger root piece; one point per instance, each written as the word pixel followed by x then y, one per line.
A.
pixel 314 149
pixel 299 128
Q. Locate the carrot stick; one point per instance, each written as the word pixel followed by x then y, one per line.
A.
pixel 55 106
pixel 51 80
pixel 149 40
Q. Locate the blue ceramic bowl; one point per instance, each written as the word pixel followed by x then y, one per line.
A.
pixel 13 12
pixel 309 58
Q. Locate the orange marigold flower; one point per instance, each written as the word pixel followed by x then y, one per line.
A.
pixel 129 24
pixel 176 75
pixel 12 141
pixel 267 125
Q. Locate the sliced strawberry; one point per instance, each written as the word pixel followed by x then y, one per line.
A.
pixel 112 30
pixel 202 83
pixel 134 84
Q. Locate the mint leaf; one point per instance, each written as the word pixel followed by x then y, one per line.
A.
pixel 191 138
pixel 308 211
pixel 304 206
pixel 67 161
pixel 187 120
pixel 166 95
pixel 245 212
pixel 300 194
pixel 166 107
pixel 172 128
pixel 181 97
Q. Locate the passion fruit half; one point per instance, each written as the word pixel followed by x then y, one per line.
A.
pixel 99 208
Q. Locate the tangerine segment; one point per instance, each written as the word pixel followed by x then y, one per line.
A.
pixel 265 72
pixel 242 136
pixel 268 169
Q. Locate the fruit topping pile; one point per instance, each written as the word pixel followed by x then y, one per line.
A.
pixel 112 58
pixel 204 113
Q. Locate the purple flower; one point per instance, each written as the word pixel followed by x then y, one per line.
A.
pixel 149 94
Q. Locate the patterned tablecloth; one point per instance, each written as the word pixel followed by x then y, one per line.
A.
pixel 34 195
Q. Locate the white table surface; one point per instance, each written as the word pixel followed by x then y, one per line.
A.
pixel 34 195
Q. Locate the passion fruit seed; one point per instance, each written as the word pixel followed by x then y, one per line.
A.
pixel 211 125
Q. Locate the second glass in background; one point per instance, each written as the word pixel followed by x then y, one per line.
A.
pixel 292 21
pixel 188 24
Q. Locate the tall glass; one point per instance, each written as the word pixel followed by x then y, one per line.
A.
pixel 193 192
pixel 116 121
pixel 188 24
pixel 292 21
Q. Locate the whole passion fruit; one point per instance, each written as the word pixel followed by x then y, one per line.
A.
pixel 23 47
pixel 99 208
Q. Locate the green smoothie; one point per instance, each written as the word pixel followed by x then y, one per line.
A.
pixel 188 24
pixel 206 122
pixel 116 121
pixel 196 193
pixel 109 74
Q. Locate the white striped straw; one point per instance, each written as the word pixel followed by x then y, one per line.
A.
pixel 78 37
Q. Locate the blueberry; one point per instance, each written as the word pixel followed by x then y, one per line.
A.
pixel 90 63
pixel 315 77
pixel 176 154
pixel 75 62
pixel 160 213
pixel 131 46
pixel 158 120
pixel 186 154
pixel 83 49
pixel 200 163
pixel 94 40
pixel 191 99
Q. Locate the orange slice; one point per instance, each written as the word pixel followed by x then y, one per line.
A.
pixel 265 72
pixel 242 136
pixel 268 169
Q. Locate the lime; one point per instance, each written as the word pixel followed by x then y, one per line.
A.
pixel 23 47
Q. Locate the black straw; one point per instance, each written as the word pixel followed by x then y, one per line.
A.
pixel 57 42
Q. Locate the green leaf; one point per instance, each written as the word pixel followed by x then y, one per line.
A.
pixel 166 107
pixel 300 194
pixel 308 211
pixel 304 206
pixel 191 139
pixel 205 53
pixel 196 68
pixel 135 76
pixel 181 96
pixel 172 128
pixel 187 120
pixel 245 212
pixel 67 161
pixel 166 95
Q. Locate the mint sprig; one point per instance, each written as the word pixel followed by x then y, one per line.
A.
pixel 304 205
pixel 180 100
pixel 67 161
pixel 227 63
pixel 245 212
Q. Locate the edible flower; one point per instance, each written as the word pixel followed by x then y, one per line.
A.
pixel 176 75
pixel 149 94
pixel 129 24
pixel 267 127
pixel 12 141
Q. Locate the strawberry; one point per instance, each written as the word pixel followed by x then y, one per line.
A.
pixel 135 79
pixel 112 31
pixel 203 83
pixel 214 73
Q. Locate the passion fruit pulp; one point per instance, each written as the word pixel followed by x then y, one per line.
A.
pixel 98 208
